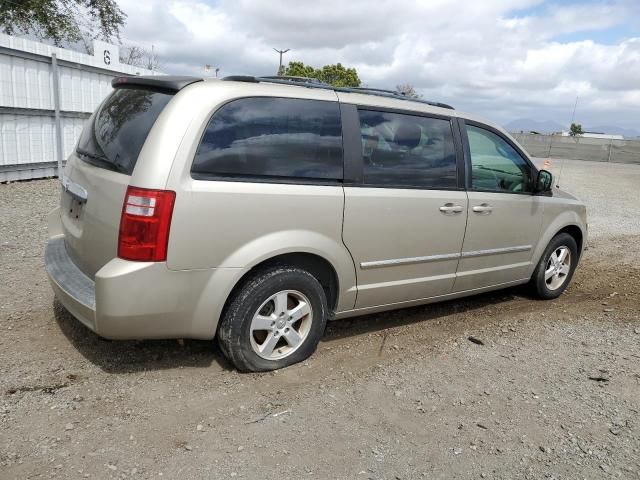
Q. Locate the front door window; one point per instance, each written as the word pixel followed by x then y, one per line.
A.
pixel 495 165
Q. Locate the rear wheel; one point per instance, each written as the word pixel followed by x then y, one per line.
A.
pixel 555 269
pixel 275 319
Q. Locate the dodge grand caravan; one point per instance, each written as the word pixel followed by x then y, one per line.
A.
pixel 254 209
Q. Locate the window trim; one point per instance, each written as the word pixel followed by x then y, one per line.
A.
pixel 462 125
pixel 358 178
pixel 273 179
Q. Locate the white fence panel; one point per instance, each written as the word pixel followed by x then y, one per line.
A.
pixel 28 137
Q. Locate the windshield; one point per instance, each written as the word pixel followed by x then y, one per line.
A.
pixel 115 134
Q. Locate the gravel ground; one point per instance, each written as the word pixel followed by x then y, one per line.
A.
pixel 553 392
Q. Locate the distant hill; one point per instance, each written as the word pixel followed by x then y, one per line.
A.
pixel 549 126
pixel 528 125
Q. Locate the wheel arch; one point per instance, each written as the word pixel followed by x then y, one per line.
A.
pixel 318 266
pixel 576 233
pixel 569 223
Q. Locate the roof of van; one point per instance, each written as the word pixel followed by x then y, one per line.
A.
pixel 362 96
pixel 315 83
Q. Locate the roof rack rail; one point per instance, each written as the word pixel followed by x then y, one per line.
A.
pixel 291 78
pixel 315 83
pixel 391 94
pixel 378 90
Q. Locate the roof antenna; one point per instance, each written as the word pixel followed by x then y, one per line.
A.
pixel 560 174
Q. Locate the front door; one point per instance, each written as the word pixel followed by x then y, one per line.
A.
pixel 504 217
pixel 404 223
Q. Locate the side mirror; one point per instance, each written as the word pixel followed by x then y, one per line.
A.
pixel 544 181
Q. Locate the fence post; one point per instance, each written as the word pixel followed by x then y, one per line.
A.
pixel 550 142
pixel 56 106
pixel 610 143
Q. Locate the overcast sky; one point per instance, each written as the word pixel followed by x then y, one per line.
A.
pixel 503 59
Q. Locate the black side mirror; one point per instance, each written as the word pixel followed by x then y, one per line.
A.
pixel 544 181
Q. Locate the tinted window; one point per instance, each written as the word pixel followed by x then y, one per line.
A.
pixel 115 134
pixel 496 165
pixel 274 137
pixel 407 150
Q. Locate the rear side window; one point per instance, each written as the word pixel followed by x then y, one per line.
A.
pixel 400 150
pixel 117 131
pixel 272 137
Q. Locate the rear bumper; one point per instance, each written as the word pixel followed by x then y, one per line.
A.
pixel 138 300
pixel 74 289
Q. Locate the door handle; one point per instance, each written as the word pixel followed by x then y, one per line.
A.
pixel 450 209
pixel 483 209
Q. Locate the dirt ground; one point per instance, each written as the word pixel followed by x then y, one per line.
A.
pixel 553 391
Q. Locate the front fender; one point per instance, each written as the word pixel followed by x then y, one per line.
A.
pixel 553 223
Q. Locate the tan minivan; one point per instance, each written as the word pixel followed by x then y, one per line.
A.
pixel 255 209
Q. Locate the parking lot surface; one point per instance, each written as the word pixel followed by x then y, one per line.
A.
pixel 553 391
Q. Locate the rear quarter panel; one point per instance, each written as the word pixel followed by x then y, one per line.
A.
pixel 235 225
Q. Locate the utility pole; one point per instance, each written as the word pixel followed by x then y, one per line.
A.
pixel 573 115
pixel 281 52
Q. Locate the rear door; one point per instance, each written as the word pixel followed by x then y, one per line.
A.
pixel 99 171
pixel 405 210
pixel 504 217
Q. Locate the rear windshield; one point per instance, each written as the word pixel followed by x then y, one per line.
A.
pixel 115 134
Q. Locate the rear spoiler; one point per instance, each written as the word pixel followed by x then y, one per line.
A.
pixel 169 84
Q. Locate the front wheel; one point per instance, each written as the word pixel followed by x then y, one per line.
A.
pixel 555 269
pixel 275 319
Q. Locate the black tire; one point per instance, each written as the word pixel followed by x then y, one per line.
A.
pixel 234 334
pixel 538 283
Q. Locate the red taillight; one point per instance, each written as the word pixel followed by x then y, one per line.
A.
pixel 144 224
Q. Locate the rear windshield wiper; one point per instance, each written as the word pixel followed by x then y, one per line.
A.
pixel 101 161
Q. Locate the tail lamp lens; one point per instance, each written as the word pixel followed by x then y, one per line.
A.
pixel 145 224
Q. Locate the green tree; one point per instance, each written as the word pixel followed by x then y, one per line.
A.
pixel 337 75
pixel 62 20
pixel 575 130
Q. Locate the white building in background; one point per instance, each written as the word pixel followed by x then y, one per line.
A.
pixel 606 136
pixel 46 94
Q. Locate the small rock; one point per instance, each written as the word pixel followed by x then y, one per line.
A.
pixel 543 449
pixel 608 310
pixel 240 448
pixel 112 467
pixel 188 448
pixel 68 426
pixel 475 340
pixel 637 331
pixel 614 431
pixel 199 428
